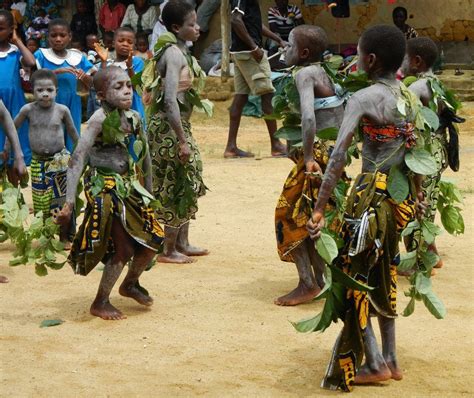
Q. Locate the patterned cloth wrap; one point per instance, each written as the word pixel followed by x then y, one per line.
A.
pixel 371 228
pixel 295 204
pixel 175 185
pixel 389 132
pixel 93 242
pixel 48 182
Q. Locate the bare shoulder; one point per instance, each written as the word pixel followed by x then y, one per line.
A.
pixel 174 55
pixel 98 116
pixel 61 108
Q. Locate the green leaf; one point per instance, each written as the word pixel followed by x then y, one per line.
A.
pixel 347 281
pixel 320 322
pixel 421 162
pixel 138 148
pixel 308 325
pixel 407 261
pixel 165 39
pixel 434 305
pixel 16 261
pixel 329 133
pixel 409 80
pixel 397 184
pixel 429 260
pixel 452 220
pixel 429 230
pixel 327 284
pixel 208 107
pixel 422 283
pixel 411 227
pixel 326 247
pixel 289 133
pixel 51 322
pixel 41 270
pixel 111 128
pixel 431 118
pixel 409 308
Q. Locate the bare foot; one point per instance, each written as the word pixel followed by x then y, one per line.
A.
pixel 190 250
pixel 135 293
pixel 106 311
pixel 237 153
pixel 301 294
pixel 278 149
pixel 3 279
pixel 175 258
pixel 365 375
pixel 397 373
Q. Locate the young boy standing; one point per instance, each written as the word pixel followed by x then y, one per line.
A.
pixel 320 108
pixel 118 226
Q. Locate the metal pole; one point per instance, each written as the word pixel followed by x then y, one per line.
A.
pixel 225 35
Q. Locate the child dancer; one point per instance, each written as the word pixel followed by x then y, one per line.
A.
pixel 371 254
pixel 69 65
pixel 320 108
pixel 177 165
pixel 118 226
pixel 11 92
pixel 50 157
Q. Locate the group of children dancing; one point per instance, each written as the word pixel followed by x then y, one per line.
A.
pixel 127 168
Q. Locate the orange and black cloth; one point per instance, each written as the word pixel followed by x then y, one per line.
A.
pixel 389 132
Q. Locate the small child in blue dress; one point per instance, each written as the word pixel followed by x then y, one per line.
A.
pixel 13 54
pixel 124 42
pixel 70 65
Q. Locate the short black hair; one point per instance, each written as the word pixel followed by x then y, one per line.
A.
pixel 102 77
pixel 175 12
pixel 43 74
pixel 314 38
pixel 388 44
pixel 8 16
pixel 32 39
pixel 59 22
pixel 425 48
pixel 123 29
pixel 141 36
pixel 403 10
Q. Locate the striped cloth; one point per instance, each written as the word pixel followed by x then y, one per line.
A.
pixel 284 23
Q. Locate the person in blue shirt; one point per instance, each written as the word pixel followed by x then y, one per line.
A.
pixel 70 65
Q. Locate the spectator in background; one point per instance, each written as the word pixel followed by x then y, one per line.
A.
pixel 283 18
pixel 83 22
pixel 400 16
pixel 111 15
pixel 39 28
pixel 158 29
pixel 204 13
pixel 140 17
pixel 141 47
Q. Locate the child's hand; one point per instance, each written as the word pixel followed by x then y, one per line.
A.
pixel 315 225
pixel 68 69
pixel 313 170
pixel 129 61
pixel 184 152
pixel 102 53
pixel 15 39
pixel 64 216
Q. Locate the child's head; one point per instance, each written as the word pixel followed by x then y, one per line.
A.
pixel 142 42
pixel 400 16
pixel 6 25
pixel 113 86
pixel 44 83
pixel 32 44
pixel 41 12
pixel 108 39
pixel 77 43
pixel 306 44
pixel 91 39
pixel 381 50
pixel 124 40
pixel 81 7
pixel 179 18
pixel 421 55
pixel 59 34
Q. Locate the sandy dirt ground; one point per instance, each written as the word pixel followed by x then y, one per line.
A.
pixel 214 330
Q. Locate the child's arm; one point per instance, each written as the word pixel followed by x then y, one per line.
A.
pixel 421 89
pixel 352 115
pixel 28 57
pixel 76 167
pixel 69 124
pixel 12 137
pixel 305 86
pixel 102 54
pixel 174 60
pixel 147 167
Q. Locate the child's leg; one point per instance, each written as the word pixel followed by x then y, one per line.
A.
pixel 307 287
pixel 130 287
pixel 170 252
pixel 387 331
pixel 317 262
pixel 375 369
pixel 124 247
pixel 183 245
